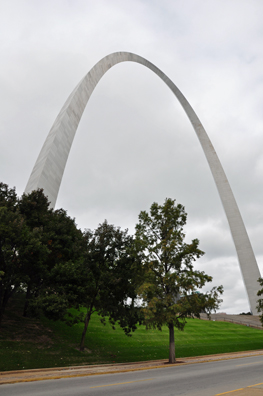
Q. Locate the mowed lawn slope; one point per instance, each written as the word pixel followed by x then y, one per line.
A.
pixel 28 343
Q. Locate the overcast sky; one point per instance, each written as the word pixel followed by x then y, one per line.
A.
pixel 134 145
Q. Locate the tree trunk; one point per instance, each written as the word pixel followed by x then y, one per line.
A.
pixel 27 300
pixel 3 304
pixel 86 323
pixel 2 310
pixel 171 344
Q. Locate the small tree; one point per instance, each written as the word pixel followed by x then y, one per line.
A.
pixel 99 276
pixel 170 282
pixel 260 301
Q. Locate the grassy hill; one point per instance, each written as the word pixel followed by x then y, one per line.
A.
pixel 29 343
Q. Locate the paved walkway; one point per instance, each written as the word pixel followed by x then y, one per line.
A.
pixel 246 320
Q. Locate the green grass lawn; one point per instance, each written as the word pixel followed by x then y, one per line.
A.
pixel 28 343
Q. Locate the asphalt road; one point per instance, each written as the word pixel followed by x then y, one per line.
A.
pixel 203 379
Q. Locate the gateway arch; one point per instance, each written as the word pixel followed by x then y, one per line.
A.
pixel 49 167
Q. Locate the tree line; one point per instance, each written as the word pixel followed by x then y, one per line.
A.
pixel 144 278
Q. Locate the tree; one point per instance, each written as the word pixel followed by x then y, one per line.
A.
pixel 52 278
pixel 37 243
pixel 17 243
pixel 260 301
pixel 34 207
pixel 101 279
pixel 109 278
pixel 170 284
pixel 13 234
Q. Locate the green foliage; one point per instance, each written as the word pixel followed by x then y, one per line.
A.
pixel 62 244
pixel 17 244
pixel 260 301
pixel 8 197
pixel 61 285
pixel 35 243
pixel 170 286
pixel 109 283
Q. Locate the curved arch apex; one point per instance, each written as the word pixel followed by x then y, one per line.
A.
pixel 49 167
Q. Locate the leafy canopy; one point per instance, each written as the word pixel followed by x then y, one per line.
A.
pixel 170 284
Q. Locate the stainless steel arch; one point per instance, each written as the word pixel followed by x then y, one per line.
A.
pixel 48 170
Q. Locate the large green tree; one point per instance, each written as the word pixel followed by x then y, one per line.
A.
pixel 170 285
pixel 13 235
pixel 52 278
pixel 36 243
pixel 34 207
pixel 18 243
